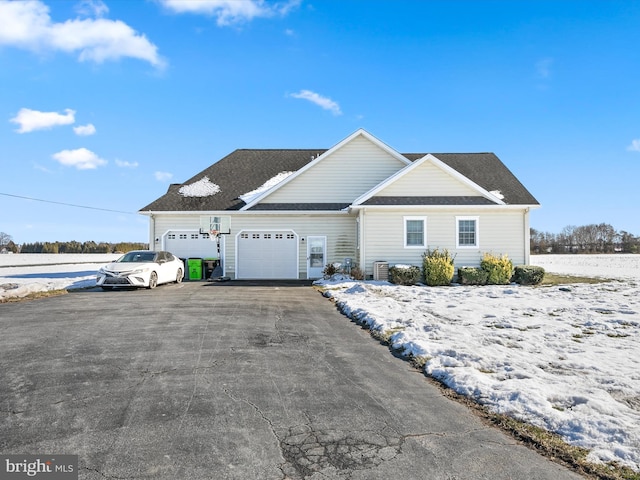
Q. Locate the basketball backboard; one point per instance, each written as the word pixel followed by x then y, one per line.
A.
pixel 218 223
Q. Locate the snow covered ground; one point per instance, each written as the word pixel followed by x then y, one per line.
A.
pixel 564 358
pixel 621 267
pixel 23 274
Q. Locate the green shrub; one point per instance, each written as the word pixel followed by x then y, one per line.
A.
pixel 437 267
pixel 472 276
pixel 528 275
pixel 500 269
pixel 404 274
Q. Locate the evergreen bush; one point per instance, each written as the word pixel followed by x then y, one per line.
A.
pixel 404 274
pixel 499 269
pixel 528 275
pixel 437 267
pixel 330 269
pixel 472 276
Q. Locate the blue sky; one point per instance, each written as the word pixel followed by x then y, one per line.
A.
pixel 103 104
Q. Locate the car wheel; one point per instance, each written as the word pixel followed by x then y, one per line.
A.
pixel 179 276
pixel 153 280
pixel 107 288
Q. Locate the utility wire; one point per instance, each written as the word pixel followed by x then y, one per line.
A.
pixel 66 204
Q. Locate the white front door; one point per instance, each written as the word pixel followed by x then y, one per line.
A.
pixel 316 256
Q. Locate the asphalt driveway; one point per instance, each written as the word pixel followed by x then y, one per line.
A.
pixel 231 381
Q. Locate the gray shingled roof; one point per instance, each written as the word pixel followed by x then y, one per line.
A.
pixel 240 172
pixel 245 170
pixel 395 201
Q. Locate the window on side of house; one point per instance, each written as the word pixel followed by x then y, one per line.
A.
pixel 467 232
pixel 415 232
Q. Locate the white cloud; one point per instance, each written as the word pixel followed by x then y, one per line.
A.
pixel 125 164
pixel 85 130
pixel 323 102
pixel 81 158
pixel 92 8
pixel 635 145
pixel 163 176
pixel 228 12
pixel 30 120
pixel 28 25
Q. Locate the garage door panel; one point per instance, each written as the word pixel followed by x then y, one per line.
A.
pixel 267 255
pixel 186 244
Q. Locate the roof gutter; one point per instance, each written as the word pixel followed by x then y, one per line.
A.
pixel 445 207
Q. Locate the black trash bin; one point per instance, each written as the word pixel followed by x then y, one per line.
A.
pixel 209 266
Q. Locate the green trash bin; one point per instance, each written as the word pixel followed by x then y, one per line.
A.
pixel 195 268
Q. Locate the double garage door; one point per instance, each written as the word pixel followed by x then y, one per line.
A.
pixel 267 255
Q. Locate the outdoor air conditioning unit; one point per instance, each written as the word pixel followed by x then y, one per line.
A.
pixel 381 271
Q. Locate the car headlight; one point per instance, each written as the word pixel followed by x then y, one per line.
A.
pixel 139 270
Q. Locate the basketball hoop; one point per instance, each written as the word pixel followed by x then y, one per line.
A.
pixel 213 234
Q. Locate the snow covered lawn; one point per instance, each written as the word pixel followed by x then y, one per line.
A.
pixel 23 274
pixel 563 358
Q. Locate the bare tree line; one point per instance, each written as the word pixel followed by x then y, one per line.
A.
pixel 594 238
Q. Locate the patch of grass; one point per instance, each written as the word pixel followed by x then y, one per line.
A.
pixel 418 362
pixel 34 296
pixel 551 279
pixel 486 370
pixel 385 337
pixel 617 335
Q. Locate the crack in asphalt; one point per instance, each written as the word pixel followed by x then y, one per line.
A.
pixel 95 470
pixel 307 451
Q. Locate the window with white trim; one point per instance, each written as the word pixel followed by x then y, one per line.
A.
pixel 415 232
pixel 467 232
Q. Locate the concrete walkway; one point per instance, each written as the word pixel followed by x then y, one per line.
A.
pixel 218 381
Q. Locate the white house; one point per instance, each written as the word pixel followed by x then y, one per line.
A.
pixel 285 214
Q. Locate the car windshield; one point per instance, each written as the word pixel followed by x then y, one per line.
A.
pixel 138 257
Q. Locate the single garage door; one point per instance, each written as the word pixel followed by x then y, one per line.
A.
pixel 267 255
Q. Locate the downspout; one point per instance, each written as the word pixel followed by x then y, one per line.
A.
pixel 361 253
pixel 152 231
pixel 527 237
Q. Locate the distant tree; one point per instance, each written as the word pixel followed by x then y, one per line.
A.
pixel 5 238
pixel 629 243
pixel 593 238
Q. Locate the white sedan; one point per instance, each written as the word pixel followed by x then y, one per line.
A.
pixel 141 268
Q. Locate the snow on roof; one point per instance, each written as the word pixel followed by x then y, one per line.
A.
pixel 272 182
pixel 202 188
pixel 497 194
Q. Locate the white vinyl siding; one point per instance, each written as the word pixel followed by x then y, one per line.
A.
pixel 341 177
pixel 340 230
pixel 502 233
pixel 427 180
